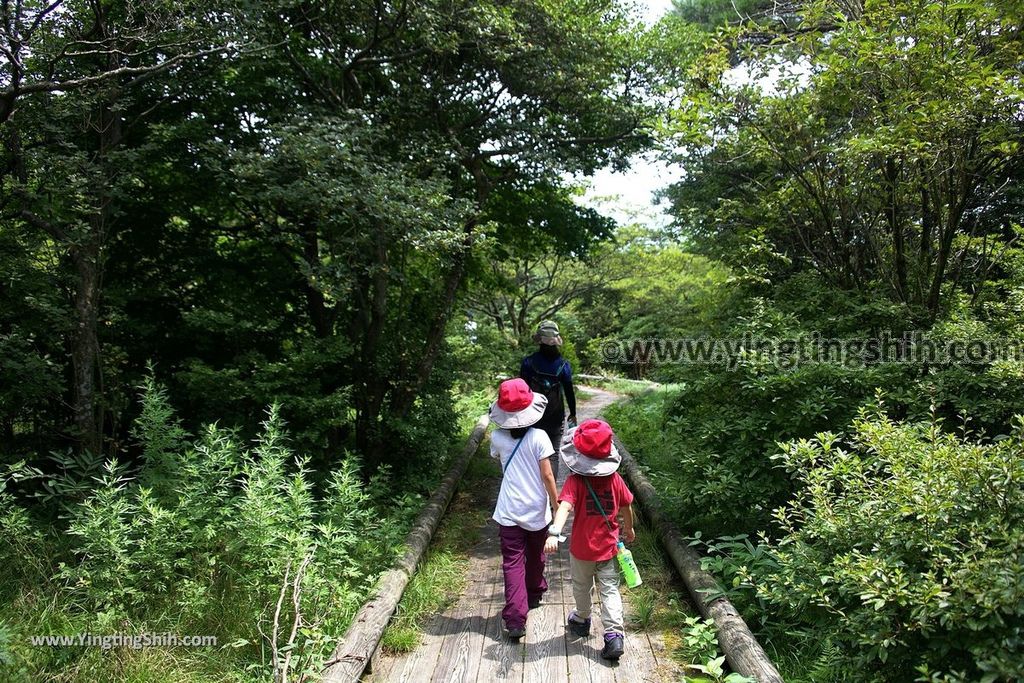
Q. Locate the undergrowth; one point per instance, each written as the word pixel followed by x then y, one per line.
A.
pixel 204 536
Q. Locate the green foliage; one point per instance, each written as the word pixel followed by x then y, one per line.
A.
pixel 209 550
pixel 700 644
pixel 714 672
pixel 902 547
pixel 22 553
pixel 709 438
pixel 646 286
pixel 160 432
pixel 252 198
pixel 32 321
pixel 711 445
pixel 715 13
pixel 644 604
pixel 852 147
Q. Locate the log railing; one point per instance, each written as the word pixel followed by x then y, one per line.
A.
pixel 744 654
pixel 359 645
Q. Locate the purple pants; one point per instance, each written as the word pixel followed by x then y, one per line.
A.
pixel 522 563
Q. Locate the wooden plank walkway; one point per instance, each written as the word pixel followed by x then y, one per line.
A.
pixel 466 643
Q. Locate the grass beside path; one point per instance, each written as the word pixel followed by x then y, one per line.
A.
pixel 440 578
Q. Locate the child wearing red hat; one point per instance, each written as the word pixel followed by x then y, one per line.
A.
pixel 597 493
pixel 526 499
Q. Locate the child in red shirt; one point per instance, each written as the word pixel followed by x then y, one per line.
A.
pixel 597 493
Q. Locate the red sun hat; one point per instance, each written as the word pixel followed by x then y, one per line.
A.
pixel 591 452
pixel 593 438
pixel 514 395
pixel 517 406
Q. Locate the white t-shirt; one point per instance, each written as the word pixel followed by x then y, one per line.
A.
pixel 523 500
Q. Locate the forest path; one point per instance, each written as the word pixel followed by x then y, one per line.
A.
pixel 466 644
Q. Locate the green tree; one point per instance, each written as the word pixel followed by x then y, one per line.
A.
pixel 880 154
pixel 72 93
pixel 477 99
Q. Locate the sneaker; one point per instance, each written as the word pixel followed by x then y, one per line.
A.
pixel 612 646
pixel 533 601
pixel 577 626
pixel 516 633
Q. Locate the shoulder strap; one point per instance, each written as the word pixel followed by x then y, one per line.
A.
pixel 598 503
pixel 533 367
pixel 509 461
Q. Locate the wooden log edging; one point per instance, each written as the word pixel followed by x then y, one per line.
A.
pixel 359 644
pixel 744 654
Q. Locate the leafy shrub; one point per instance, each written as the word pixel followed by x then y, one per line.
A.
pixel 208 537
pixel 700 643
pixel 905 548
pixel 709 440
pixel 21 553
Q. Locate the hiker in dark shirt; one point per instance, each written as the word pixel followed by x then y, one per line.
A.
pixel 548 373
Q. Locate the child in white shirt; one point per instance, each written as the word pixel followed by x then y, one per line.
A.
pixel 526 499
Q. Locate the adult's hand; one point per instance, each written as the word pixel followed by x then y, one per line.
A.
pixel 551 545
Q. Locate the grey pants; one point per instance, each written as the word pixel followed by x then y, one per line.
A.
pixel 606 573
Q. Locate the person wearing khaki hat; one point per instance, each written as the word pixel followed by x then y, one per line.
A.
pixel 597 493
pixel 550 374
pixel 528 493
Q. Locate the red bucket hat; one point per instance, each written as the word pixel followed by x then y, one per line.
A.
pixel 591 451
pixel 593 438
pixel 517 406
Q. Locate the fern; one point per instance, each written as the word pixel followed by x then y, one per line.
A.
pixel 828 664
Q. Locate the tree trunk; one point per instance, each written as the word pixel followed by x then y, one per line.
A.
pixel 373 385
pixel 406 395
pixel 85 351
pixel 319 315
pixel 88 260
pixel 928 225
pixel 892 216
pixel 952 227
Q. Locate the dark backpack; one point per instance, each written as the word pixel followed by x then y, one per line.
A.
pixel 548 385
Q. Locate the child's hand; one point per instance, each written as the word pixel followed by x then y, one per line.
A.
pixel 628 535
pixel 551 545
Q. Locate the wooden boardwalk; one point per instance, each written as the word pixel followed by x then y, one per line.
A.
pixel 466 643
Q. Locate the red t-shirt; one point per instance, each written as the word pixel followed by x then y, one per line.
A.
pixel 591 538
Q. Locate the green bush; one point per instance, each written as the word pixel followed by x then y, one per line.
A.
pixel 203 538
pixel 904 546
pixel 709 440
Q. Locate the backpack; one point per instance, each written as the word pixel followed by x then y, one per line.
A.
pixel 548 385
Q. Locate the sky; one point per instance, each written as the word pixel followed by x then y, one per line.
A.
pixel 628 197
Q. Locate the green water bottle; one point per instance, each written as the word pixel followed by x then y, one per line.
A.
pixel 629 570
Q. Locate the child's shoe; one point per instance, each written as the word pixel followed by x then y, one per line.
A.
pixel 612 646
pixel 516 633
pixel 577 626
